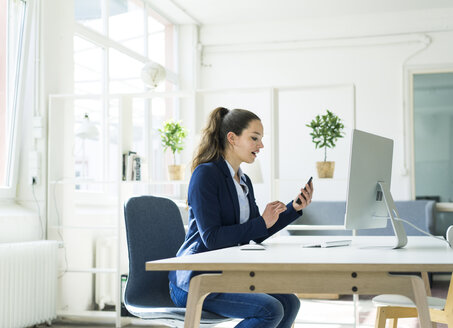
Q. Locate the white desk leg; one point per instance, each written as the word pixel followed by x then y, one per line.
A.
pixel 355 301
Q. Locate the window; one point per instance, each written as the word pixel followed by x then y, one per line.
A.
pixel 12 20
pixel 113 41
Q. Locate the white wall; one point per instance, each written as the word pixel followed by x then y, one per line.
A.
pixel 369 52
pixel 353 51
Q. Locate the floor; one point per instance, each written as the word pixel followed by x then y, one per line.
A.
pixel 312 314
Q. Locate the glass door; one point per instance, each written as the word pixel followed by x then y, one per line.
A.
pixel 433 142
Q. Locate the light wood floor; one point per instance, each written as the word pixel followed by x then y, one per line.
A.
pixel 312 314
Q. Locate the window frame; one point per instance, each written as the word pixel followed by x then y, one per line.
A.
pixel 106 43
pixel 8 191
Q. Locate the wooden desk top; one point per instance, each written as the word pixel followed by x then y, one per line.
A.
pixel 366 253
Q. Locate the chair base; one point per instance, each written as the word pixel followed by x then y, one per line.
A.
pixel 174 316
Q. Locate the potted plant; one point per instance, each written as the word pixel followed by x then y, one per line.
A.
pixel 326 130
pixel 172 135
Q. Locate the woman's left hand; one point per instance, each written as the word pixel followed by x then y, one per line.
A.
pixel 305 200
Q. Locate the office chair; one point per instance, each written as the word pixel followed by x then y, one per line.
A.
pixel 394 307
pixel 154 231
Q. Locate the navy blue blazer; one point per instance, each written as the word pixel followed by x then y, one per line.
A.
pixel 214 216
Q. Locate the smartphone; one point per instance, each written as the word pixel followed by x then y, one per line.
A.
pixel 308 182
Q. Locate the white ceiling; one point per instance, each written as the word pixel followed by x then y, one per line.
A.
pixel 207 12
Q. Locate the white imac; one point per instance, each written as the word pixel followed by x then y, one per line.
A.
pixel 369 203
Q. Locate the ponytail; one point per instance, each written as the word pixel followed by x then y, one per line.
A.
pixel 214 136
pixel 211 146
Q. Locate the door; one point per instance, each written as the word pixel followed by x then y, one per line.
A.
pixel 433 143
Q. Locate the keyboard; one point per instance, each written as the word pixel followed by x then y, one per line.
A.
pixel 331 243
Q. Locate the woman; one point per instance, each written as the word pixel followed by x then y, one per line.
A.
pixel 223 213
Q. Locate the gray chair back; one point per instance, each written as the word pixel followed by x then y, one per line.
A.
pixel 154 231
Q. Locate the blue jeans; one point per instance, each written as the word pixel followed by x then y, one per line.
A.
pixel 257 310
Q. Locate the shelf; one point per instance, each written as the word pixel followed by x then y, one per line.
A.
pixel 81 181
pixel 87 208
pixel 98 182
pixel 89 270
pixel 161 182
pixel 94 227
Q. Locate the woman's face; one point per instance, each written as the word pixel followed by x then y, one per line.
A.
pixel 247 146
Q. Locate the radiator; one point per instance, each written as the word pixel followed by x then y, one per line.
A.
pixel 105 291
pixel 28 283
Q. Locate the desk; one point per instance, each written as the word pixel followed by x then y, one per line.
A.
pixel 286 267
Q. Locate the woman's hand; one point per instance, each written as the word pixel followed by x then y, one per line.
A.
pixel 305 200
pixel 272 211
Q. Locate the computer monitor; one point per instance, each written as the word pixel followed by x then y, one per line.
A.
pixel 369 203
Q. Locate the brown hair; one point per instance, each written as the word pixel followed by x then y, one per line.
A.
pixel 214 136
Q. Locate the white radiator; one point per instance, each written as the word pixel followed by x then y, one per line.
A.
pixel 105 291
pixel 28 283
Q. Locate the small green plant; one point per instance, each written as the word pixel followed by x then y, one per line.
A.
pixel 326 131
pixel 172 136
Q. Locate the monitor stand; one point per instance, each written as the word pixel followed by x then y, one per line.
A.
pixel 398 228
